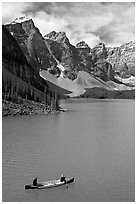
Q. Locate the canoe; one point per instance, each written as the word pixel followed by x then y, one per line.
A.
pixel 49 184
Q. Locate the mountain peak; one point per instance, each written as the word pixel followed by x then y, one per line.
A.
pixel 57 36
pixel 100 45
pixel 82 44
pixel 20 20
pixel 50 35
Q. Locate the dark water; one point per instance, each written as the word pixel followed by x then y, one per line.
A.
pixel 94 142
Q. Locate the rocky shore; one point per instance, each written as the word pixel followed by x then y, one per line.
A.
pixel 25 108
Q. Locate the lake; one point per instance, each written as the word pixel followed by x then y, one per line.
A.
pixel 94 141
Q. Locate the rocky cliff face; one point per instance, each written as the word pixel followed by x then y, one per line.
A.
pixel 13 57
pixel 85 57
pixel 10 48
pixel 94 61
pixel 31 42
pixel 122 59
pixel 64 52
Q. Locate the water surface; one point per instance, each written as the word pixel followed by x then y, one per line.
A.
pixel 94 142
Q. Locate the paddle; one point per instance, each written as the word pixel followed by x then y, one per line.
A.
pixel 66 184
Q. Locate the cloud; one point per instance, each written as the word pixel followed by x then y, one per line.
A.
pixel 122 27
pixel 10 11
pixel 47 23
pixel 110 22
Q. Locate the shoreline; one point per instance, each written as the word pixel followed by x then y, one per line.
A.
pixel 26 108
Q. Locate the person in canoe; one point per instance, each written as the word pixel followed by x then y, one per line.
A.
pixel 35 182
pixel 63 178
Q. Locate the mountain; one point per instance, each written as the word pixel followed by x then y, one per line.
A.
pixel 106 62
pixel 70 69
pixel 10 48
pixel 64 52
pixel 55 48
pixel 94 61
pixel 79 58
pixel 85 57
pixel 31 42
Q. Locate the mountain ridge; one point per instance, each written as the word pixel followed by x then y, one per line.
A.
pixel 54 53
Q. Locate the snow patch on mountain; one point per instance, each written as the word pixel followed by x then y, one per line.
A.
pixel 20 20
pixel 119 87
pixel 130 80
pixel 62 69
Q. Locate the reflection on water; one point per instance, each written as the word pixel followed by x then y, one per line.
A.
pixel 93 141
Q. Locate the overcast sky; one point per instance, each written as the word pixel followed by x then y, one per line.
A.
pixel 112 23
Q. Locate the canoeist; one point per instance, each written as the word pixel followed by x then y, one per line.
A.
pixel 63 178
pixel 35 182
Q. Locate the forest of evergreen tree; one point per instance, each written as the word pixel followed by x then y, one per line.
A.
pixel 15 89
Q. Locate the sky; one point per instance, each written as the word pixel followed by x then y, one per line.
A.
pixel 112 23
